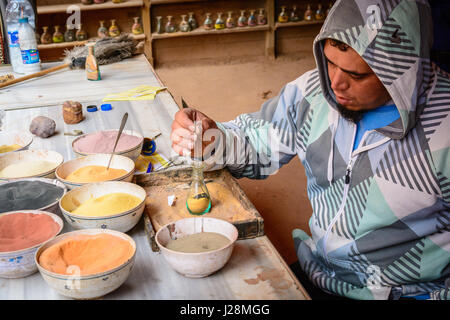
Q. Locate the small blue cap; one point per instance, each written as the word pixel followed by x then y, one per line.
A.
pixel 106 107
pixel 91 108
pixel 23 20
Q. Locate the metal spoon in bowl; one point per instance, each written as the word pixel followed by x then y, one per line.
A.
pixel 122 125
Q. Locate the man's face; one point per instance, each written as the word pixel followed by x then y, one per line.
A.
pixel 355 85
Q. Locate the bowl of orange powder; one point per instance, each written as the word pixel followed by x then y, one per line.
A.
pixel 86 264
pixel 21 234
pixel 14 141
pixel 115 205
pixel 93 168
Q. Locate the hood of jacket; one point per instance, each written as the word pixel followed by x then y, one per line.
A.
pixel 395 38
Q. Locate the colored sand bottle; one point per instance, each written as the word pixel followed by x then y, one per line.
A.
pixel 208 24
pixel 261 17
pixel 242 20
pixel 114 30
pixel 192 22
pixel 230 20
pixel 308 13
pixel 184 25
pixel 198 201
pixel 283 16
pixel 294 14
pixel 320 14
pixel 220 24
pixel 170 25
pixel 252 21
pixel 137 27
pixel 69 35
pixel 46 37
pixel 92 68
pixel 57 37
pixel 81 35
pixel 159 25
pixel 102 32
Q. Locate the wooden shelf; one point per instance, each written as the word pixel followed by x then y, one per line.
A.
pixel 173 1
pixel 201 31
pixel 298 23
pixel 57 8
pixel 77 43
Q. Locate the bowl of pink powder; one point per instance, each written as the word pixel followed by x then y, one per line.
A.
pixel 129 144
pixel 21 235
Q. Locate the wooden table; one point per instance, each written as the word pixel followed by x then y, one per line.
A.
pixel 255 270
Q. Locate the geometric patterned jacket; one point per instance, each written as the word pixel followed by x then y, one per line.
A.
pixel 381 217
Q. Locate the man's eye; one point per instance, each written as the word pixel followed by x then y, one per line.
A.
pixel 356 77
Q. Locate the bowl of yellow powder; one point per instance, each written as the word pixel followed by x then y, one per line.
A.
pixel 14 141
pixel 93 168
pixel 115 205
pixel 29 164
pixel 197 247
pixel 86 264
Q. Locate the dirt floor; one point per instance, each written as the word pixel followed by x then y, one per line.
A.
pixel 225 90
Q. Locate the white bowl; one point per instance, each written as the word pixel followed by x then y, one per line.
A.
pixel 117 162
pixel 202 264
pixel 52 207
pixel 32 155
pixel 123 221
pixel 90 286
pixel 20 263
pixel 132 153
pixel 23 139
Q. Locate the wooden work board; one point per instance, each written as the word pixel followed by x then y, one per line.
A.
pixel 229 202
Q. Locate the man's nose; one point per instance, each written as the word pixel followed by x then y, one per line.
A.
pixel 339 81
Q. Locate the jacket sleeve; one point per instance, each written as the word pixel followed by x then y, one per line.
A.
pixel 255 145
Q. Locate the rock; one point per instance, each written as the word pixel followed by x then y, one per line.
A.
pixel 42 126
pixel 72 112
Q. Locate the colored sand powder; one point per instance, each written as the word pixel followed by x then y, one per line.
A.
pixel 94 174
pixel 198 242
pixel 27 169
pixel 103 142
pixel 8 148
pixel 91 253
pixel 22 230
pixel 109 204
pixel 28 195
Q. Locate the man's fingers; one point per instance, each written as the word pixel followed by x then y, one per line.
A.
pixel 181 151
pixel 185 117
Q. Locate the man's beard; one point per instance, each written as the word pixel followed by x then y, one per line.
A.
pixel 350 115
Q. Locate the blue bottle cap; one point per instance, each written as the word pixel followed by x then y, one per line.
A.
pixel 148 147
pixel 91 108
pixel 106 107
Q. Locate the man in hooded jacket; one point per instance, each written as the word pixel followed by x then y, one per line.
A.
pixel 371 127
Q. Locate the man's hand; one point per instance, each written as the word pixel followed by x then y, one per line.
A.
pixel 184 136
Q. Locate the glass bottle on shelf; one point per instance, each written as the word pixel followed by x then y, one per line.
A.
pixel 320 14
pixel 57 37
pixel 81 35
pixel 137 27
pixel 242 20
pixel 220 24
pixel 230 23
pixel 262 17
pixel 283 16
pixel 170 25
pixel 308 13
pixel 208 24
pixel 184 25
pixel 86 1
pixel 102 32
pixel 192 21
pixel 198 200
pixel 116 1
pixel 252 21
pixel 114 30
pixel 294 14
pixel 69 35
pixel 99 1
pixel 159 25
pixel 46 37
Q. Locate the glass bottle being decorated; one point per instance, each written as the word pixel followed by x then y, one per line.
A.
pixel 283 16
pixel 46 37
pixel 91 66
pixel 102 32
pixel 137 27
pixel 192 21
pixel 219 24
pixel 242 20
pixel 208 24
pixel 230 23
pixel 81 35
pixel 114 30
pixel 294 14
pixel 198 200
pixel 320 14
pixel 57 37
pixel 184 25
pixel 252 21
pixel 261 17
pixel 308 13
pixel 69 35
pixel 170 25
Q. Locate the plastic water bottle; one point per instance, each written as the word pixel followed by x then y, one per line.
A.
pixel 28 47
pixel 14 11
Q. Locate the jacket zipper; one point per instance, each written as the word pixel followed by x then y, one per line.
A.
pixel 347 180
